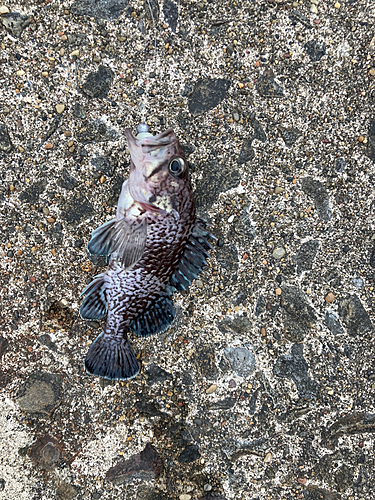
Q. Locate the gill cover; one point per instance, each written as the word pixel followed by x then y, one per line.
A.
pixel 150 158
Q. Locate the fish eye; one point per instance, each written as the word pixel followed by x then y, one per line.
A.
pixel 177 166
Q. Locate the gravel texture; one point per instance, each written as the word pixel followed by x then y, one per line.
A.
pixel 264 386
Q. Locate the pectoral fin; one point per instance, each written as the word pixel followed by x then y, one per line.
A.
pixel 121 239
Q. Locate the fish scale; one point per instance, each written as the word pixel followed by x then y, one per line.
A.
pixel 155 246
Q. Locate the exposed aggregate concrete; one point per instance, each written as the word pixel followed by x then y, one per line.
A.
pixel 264 386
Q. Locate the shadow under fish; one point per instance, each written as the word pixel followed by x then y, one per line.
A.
pixel 155 246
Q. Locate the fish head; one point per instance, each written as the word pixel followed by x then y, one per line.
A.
pixel 158 170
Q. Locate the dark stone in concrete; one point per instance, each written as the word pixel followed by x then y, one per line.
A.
pixel 254 447
pixel 227 257
pixel 186 379
pixel 14 22
pixel 294 367
pixel 297 16
pixel 260 306
pixel 340 165
pixel 5 142
pixel 188 148
pixel 141 26
pixel 299 316
pixel 152 11
pixel 104 164
pixel 239 324
pixel 99 9
pixel 66 491
pixel 2 484
pixel 206 362
pixel 305 255
pixel 41 393
pixel 344 477
pixel 259 133
pixel 290 135
pixel 45 340
pixel 315 189
pixel 170 11
pixel 157 374
pixel 318 193
pixel 79 111
pixel 50 454
pixel 372 258
pixel 370 149
pixel 315 49
pixel 354 316
pixel 241 360
pixel 115 190
pixel 54 125
pixel 267 86
pixel 189 455
pixel 77 209
pixel 223 404
pixel 355 423
pixel 207 94
pixel 333 324
pixel 3 346
pixel 98 82
pixel 45 452
pixel 66 180
pixel 96 131
pixel 314 493
pixel 247 152
pixel 32 193
pixel 148 409
pixel 216 179
pixel 145 466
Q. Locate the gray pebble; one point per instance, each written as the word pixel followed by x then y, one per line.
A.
pixel 241 360
pixel 278 253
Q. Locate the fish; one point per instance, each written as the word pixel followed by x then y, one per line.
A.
pixel 156 245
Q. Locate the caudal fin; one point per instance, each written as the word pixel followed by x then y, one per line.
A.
pixel 111 357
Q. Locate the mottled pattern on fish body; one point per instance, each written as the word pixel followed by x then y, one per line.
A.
pixel 155 246
pixel 133 291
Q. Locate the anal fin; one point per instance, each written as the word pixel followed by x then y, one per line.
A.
pixel 158 318
pixel 94 305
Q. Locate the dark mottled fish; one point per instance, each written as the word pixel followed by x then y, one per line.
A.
pixel 155 246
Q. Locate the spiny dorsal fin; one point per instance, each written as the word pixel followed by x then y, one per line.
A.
pixel 194 257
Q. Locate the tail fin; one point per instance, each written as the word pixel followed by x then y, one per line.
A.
pixel 111 357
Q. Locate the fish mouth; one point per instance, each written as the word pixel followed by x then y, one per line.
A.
pixel 150 155
pixel 151 148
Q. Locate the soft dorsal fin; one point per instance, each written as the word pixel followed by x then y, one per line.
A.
pixel 122 240
pixel 158 318
pixel 94 305
pixel 194 257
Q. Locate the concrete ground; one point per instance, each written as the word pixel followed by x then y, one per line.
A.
pixel 264 386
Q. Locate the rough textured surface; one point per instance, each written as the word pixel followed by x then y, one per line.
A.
pixel 264 387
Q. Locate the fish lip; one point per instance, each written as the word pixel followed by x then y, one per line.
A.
pixel 149 144
pixel 151 150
